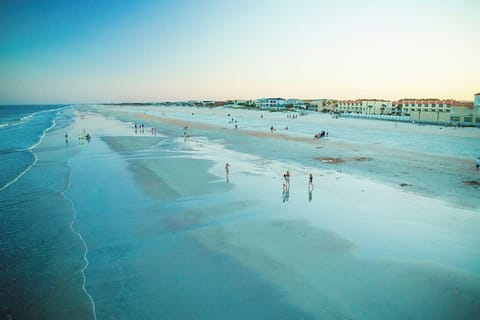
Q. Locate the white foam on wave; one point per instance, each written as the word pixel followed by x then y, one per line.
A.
pixel 85 266
pixel 30 149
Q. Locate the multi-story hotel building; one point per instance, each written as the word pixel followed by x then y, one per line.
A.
pixel 421 110
pixel 365 106
pixel 437 111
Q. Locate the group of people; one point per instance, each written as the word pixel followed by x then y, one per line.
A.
pixel 84 136
pixel 286 186
pixel 139 128
pixel 286 182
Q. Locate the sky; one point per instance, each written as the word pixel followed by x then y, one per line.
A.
pixel 124 51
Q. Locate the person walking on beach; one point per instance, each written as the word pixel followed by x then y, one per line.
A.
pixel 227 171
pixel 478 163
pixel 310 182
pixel 286 176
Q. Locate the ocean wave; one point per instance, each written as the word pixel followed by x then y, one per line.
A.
pixel 30 149
pixel 31 116
pixel 85 254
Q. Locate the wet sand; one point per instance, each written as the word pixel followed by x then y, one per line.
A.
pixel 353 248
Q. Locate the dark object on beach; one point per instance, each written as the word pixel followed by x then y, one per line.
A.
pixel 473 183
pixel 403 184
pixel 320 135
pixel 88 137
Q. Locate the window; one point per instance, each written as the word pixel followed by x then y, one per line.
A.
pixel 455 118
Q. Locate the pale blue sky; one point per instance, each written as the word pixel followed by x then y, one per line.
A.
pixel 112 51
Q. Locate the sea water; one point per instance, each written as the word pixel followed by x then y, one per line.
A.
pixel 40 255
pixel 21 128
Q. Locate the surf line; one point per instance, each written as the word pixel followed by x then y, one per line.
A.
pixel 85 266
pixel 30 149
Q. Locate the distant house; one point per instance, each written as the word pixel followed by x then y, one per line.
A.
pixel 271 103
pixel 209 103
pixel 322 105
pixel 296 103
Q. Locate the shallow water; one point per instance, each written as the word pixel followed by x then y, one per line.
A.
pixel 135 220
pixel 41 256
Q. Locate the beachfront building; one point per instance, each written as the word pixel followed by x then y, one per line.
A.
pixel 237 103
pixel 365 106
pixel 464 113
pixel 321 105
pixel 437 111
pixel 296 103
pixel 476 107
pixel 271 103
pixel 314 104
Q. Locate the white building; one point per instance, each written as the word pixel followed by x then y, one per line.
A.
pixel 476 101
pixel 271 103
pixel 296 103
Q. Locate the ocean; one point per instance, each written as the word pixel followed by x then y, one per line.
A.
pixel 145 224
pixel 21 129
pixel 39 265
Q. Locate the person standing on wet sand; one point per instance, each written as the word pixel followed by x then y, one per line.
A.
pixel 310 182
pixel 477 163
pixel 227 170
pixel 286 176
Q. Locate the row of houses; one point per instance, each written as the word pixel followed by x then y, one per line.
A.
pixel 422 110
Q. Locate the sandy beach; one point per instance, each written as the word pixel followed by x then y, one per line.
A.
pixel 158 230
pixel 360 245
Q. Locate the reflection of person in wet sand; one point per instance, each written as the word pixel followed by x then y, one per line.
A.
pixel 285 194
pixel 227 171
pixel 310 187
